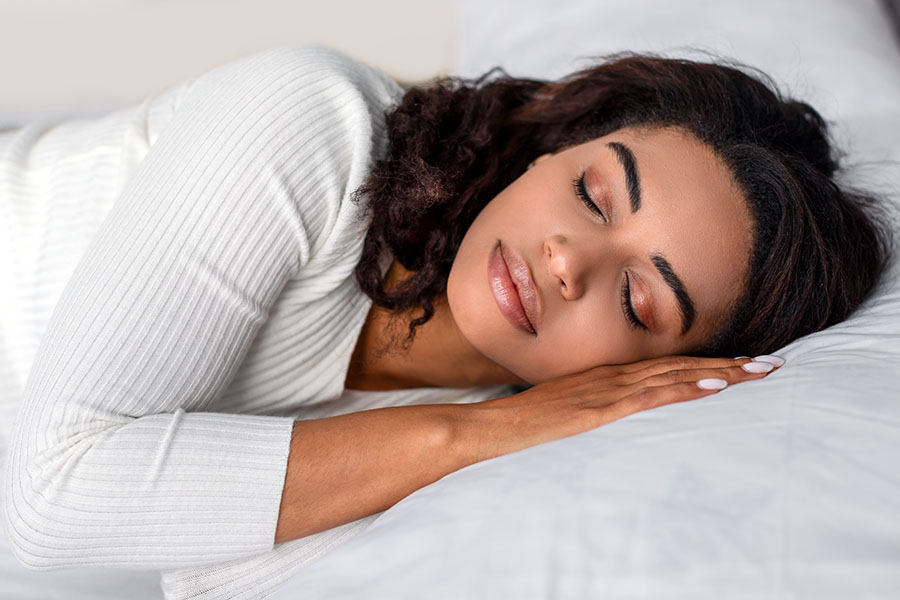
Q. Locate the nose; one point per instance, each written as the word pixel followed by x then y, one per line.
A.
pixel 567 265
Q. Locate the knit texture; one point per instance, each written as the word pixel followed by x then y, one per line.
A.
pixel 178 290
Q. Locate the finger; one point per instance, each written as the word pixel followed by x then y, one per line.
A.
pixel 677 363
pixel 648 398
pixel 731 374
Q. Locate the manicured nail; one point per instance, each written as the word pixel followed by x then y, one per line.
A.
pixel 771 358
pixel 737 357
pixel 712 383
pixel 758 367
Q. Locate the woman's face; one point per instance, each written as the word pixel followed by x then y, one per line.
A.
pixel 674 229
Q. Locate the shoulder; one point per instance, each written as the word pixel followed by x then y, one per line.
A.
pixel 301 124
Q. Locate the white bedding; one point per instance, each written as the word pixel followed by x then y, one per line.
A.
pixel 787 487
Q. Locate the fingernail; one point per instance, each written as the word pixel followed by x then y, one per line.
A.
pixel 712 384
pixel 758 367
pixel 737 357
pixel 771 358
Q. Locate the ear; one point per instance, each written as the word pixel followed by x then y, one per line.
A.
pixel 543 157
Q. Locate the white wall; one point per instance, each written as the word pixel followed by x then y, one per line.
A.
pixel 84 56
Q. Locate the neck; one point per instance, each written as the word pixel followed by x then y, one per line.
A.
pixel 439 356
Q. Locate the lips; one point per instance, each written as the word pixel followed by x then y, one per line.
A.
pixel 514 289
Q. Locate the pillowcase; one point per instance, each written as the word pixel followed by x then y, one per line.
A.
pixel 781 487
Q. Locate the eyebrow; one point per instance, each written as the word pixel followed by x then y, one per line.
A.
pixel 685 304
pixel 632 179
pixel 633 183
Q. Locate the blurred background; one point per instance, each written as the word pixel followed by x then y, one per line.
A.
pixel 62 57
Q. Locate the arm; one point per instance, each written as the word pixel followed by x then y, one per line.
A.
pixel 113 461
pixel 350 466
pixel 346 467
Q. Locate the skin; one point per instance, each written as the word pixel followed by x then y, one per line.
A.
pixel 692 212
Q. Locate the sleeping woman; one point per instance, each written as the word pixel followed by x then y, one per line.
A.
pixel 295 229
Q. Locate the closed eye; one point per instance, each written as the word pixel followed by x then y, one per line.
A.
pixel 581 191
pixel 628 309
pixel 630 315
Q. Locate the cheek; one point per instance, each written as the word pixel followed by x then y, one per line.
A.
pixel 583 340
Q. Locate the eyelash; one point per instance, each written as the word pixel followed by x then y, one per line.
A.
pixel 581 191
pixel 627 308
pixel 633 321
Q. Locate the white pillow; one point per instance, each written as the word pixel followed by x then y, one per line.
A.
pixel 783 487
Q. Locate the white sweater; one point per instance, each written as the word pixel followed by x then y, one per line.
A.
pixel 177 289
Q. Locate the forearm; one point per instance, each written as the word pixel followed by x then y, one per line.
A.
pixel 347 467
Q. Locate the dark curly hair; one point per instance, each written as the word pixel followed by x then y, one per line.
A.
pixel 455 143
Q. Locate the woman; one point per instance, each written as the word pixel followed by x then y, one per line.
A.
pixel 273 220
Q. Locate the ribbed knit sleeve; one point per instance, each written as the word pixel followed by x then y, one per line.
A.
pixel 113 461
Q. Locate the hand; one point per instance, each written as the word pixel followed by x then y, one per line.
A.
pixel 575 403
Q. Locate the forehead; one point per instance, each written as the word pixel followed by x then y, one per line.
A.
pixel 692 212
